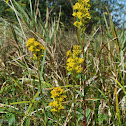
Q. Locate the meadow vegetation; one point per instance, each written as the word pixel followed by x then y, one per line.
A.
pixel 50 76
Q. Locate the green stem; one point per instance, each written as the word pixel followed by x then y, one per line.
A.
pixel 13 87
pixel 84 66
pixel 41 92
pixel 74 104
pixel 40 85
pixel 57 120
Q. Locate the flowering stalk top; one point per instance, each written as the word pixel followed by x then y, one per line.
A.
pixel 81 10
pixel 36 48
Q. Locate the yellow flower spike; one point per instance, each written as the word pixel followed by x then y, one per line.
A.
pixel 36 48
pixel 82 7
pixel 74 61
pixel 58 98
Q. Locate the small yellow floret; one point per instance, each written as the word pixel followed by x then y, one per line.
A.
pixel 30 41
pixel 53 110
pixel 78 24
pixel 68 52
pixel 36 43
pixel 31 48
pixel 79 14
pixel 76 6
pixel 80 60
pixel 74 14
pixel 37 50
pixel 106 13
pixel 7 1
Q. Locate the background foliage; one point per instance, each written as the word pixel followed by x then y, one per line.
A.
pixel 98 8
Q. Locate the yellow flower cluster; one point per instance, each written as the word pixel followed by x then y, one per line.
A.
pixel 36 48
pixel 81 10
pixel 74 61
pixel 58 97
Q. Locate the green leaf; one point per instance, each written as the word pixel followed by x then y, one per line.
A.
pixel 11 118
pixel 80 93
pixel 88 112
pixel 78 76
pixel 27 122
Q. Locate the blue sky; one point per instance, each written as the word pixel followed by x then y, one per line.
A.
pixel 121 13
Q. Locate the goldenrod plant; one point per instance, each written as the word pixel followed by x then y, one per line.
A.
pixel 81 12
pixel 74 67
